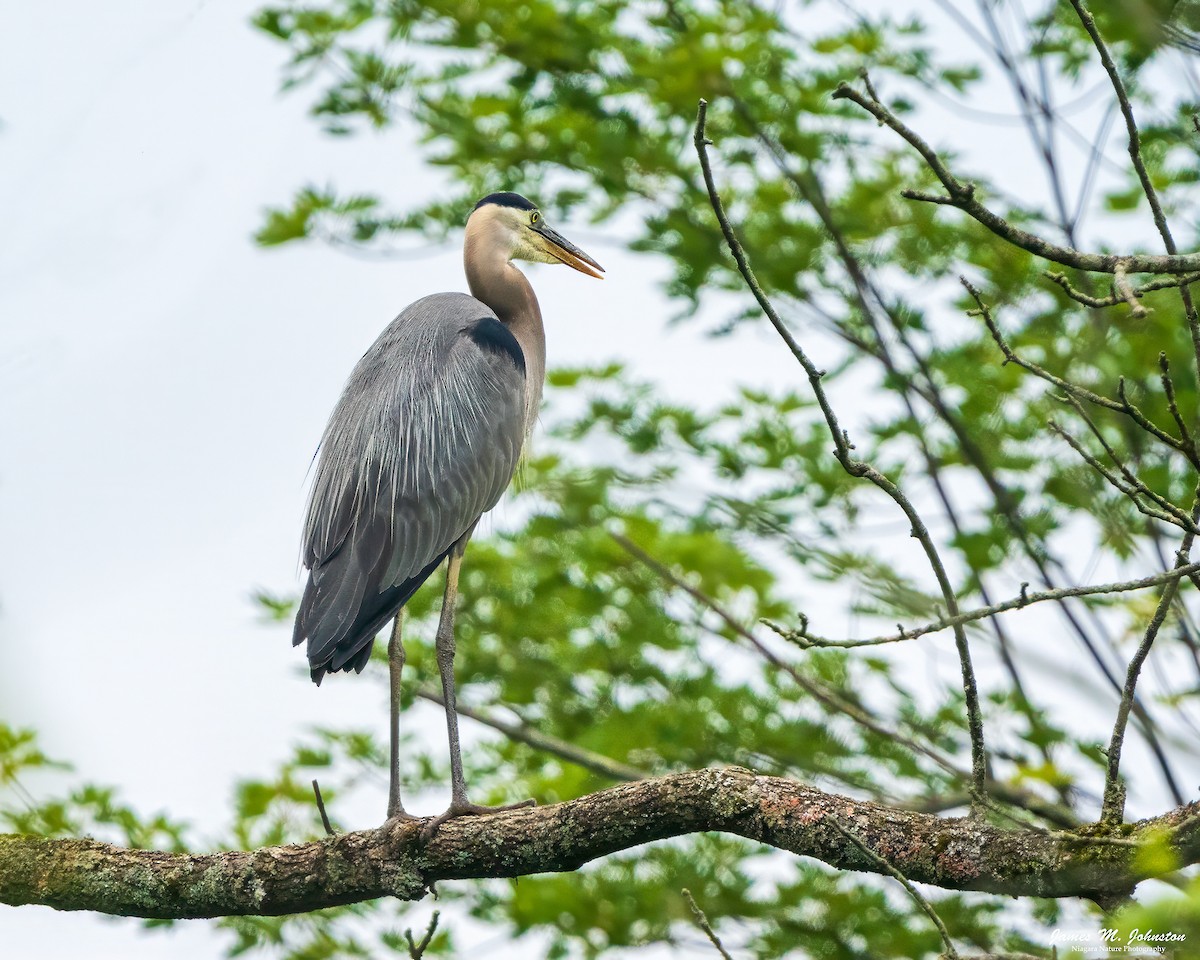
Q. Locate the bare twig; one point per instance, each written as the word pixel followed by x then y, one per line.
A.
pixel 832 701
pixel 1135 156
pixel 962 196
pixel 1122 405
pixel 803 638
pixel 884 867
pixel 924 384
pixel 1168 386
pixel 1131 491
pixel 521 733
pixel 1129 409
pixel 853 466
pixel 1126 292
pixel 321 809
pixel 1162 283
pixel 827 697
pixel 1038 246
pixel 1113 808
pixel 1133 480
pixel 808 186
pixel 703 924
pixel 417 950
pixel 1135 152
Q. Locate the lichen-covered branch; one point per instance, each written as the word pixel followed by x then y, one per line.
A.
pixel 391 861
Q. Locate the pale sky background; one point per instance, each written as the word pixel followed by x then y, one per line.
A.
pixel 163 384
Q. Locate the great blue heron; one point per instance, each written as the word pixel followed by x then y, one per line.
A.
pixel 422 443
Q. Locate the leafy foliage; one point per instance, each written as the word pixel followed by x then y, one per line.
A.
pixel 588 107
pixel 87 810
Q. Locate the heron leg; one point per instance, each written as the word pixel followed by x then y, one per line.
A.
pixel 459 804
pixel 395 668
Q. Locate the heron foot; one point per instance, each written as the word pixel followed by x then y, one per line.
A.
pixel 466 809
pixel 402 815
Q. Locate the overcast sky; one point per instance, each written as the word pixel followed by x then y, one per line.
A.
pixel 163 384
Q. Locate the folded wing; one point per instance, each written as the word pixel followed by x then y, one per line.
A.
pixel 423 441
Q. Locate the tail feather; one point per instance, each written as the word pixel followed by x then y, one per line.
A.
pixel 343 643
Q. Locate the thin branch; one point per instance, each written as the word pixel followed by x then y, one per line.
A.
pixel 962 196
pixel 1122 405
pixel 827 697
pixel 1133 480
pixel 703 924
pixel 1168 386
pixel 1130 491
pixel 803 638
pixel 808 187
pixel 1033 107
pixel 597 763
pixel 855 467
pixel 835 703
pixel 417 950
pixel 882 866
pixel 1097 303
pixel 1131 410
pixel 1127 293
pixel 321 809
pixel 1135 156
pixel 1135 152
pixel 1113 809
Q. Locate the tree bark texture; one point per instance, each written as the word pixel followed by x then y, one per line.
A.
pixel 390 861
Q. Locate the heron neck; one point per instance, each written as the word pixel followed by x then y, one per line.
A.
pixel 505 289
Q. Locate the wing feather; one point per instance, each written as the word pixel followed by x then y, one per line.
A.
pixel 423 441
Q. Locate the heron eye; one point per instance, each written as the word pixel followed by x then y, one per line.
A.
pixel 535 217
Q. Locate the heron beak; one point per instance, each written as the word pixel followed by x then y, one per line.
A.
pixel 563 249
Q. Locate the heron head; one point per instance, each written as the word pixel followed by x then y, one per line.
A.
pixel 518 225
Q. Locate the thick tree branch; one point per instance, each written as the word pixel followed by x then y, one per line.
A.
pixel 391 861
pixel 962 196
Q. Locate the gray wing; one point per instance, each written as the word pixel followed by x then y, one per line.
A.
pixel 423 441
